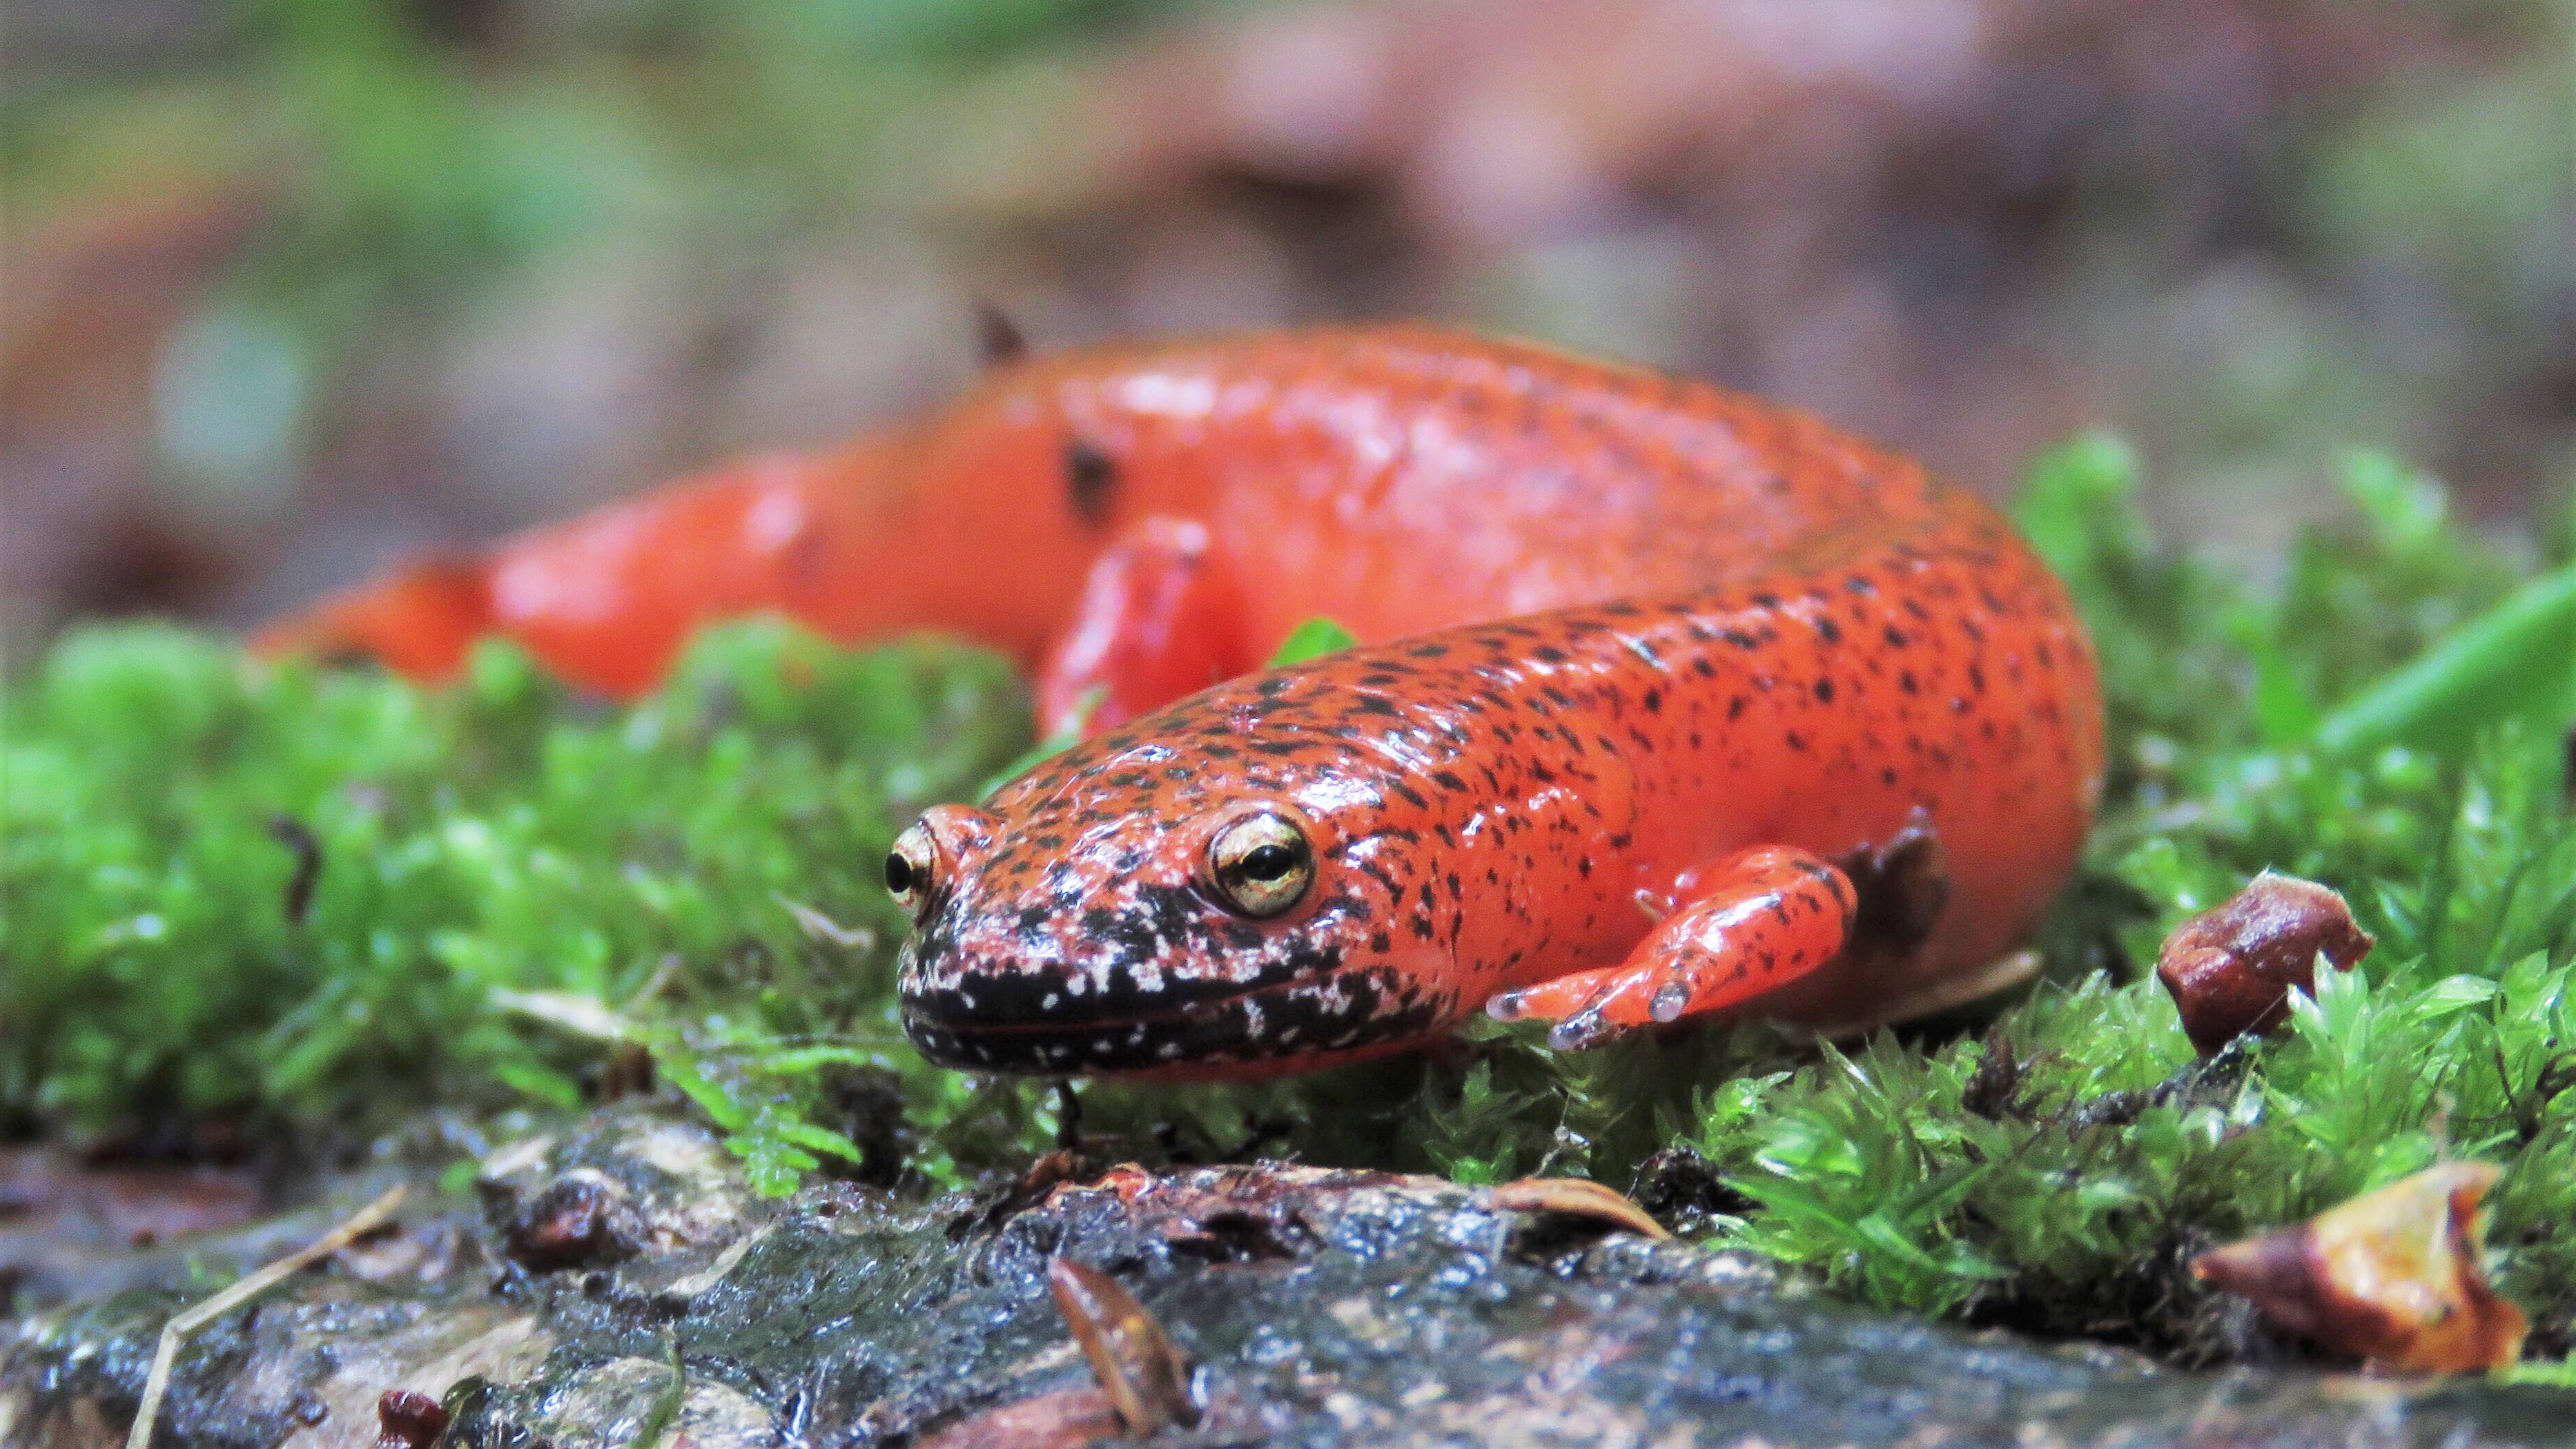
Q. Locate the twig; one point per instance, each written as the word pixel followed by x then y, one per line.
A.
pixel 292 833
pixel 184 1324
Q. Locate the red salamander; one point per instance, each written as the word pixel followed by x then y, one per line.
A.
pixel 1668 701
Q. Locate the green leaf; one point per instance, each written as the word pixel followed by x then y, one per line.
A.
pixel 683 1071
pixel 2406 509
pixel 2516 659
pixel 1312 639
pixel 550 1087
pixel 2078 505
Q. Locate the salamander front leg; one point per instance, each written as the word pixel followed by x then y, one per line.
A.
pixel 1159 619
pixel 1741 925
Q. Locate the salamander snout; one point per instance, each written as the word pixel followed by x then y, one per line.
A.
pixel 1127 940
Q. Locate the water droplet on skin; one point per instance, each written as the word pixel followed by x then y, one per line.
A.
pixel 1669 1000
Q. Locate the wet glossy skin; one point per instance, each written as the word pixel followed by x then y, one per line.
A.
pixel 1627 638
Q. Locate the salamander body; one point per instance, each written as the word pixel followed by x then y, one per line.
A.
pixel 1667 700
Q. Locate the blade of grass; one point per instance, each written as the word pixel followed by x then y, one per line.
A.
pixel 2497 664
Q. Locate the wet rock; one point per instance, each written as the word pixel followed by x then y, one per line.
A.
pixel 612 1404
pixel 1314 1307
pixel 580 1220
pixel 634 1181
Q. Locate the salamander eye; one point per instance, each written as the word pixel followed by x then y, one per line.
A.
pixel 911 868
pixel 1260 864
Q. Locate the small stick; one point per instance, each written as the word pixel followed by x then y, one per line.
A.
pixel 184 1324
pixel 1068 1116
pixel 292 833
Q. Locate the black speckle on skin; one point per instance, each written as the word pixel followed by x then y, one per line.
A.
pixel 1089 475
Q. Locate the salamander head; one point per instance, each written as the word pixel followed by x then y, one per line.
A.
pixel 1169 898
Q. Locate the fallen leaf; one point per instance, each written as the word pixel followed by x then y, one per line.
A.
pixel 1574 1197
pixel 1145 1374
pixel 1064 1419
pixel 2231 968
pixel 2393 1276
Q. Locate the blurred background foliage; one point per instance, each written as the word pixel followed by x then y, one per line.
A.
pixel 294 287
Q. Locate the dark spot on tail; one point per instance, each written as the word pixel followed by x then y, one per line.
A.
pixel 1089 474
pixel 997 337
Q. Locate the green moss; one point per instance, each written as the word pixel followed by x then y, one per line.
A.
pixel 507 876
pixel 518 890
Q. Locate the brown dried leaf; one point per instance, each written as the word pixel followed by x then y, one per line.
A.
pixel 1145 1374
pixel 2231 968
pixel 2393 1276
pixel 1064 1419
pixel 1574 1197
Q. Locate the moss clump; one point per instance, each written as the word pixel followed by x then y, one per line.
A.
pixel 507 883
pixel 519 893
